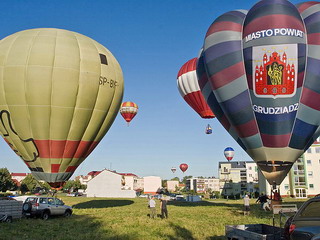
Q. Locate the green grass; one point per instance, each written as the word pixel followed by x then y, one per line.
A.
pixel 101 218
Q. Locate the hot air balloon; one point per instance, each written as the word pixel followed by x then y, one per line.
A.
pixel 60 93
pixel 188 86
pixel 184 167
pixel 229 153
pixel 128 111
pixel 208 129
pixel 262 80
pixel 173 169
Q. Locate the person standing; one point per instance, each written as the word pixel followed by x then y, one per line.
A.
pixel 152 206
pixel 246 201
pixel 163 207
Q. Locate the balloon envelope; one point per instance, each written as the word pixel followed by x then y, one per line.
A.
pixel 184 167
pixel 229 153
pixel 128 111
pixel 262 80
pixel 60 93
pixel 173 169
pixel 188 87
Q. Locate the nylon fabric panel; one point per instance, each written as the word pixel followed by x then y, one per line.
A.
pixel 305 131
pixel 50 80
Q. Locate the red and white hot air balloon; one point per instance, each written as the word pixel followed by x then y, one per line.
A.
pixel 189 89
pixel 128 111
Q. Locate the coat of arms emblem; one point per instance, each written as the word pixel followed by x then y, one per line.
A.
pixel 275 71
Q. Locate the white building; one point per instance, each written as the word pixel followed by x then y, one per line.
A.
pixel 201 185
pixel 19 176
pixel 303 180
pixel 139 184
pixel 108 184
pixel 212 184
pixel 172 185
pixel 238 178
pixel 85 179
pixel 129 181
pixel 152 184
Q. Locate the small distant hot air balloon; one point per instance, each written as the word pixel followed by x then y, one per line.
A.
pixel 189 89
pixel 208 129
pixel 128 111
pixel 229 153
pixel 184 167
pixel 173 169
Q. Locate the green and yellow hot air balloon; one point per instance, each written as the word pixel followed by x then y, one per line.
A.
pixel 60 91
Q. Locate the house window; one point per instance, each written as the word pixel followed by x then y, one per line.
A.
pixel 286 187
pixel 309 162
pixel 310 174
pixel 311 186
pixel 250 175
pixel 250 168
pixel 309 150
pixel 317 149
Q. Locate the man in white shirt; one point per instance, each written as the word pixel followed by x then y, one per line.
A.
pixel 246 201
pixel 152 206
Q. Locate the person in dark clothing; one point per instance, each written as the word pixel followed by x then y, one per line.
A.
pixel 163 207
pixel 263 199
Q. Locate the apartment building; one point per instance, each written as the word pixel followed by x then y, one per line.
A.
pixel 238 178
pixel 303 179
pixel 202 185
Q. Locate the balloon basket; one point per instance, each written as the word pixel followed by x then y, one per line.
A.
pixel 56 185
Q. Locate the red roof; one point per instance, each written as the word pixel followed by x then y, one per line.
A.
pixel 94 173
pixel 128 174
pixel 19 174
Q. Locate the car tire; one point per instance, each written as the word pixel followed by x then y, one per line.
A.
pixel 45 215
pixel 67 213
pixel 26 207
pixel 8 220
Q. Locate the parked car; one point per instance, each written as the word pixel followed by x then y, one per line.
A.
pixel 180 198
pixel 44 207
pixel 144 195
pixel 305 224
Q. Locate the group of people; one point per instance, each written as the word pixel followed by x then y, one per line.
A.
pixel 163 207
pixel 264 201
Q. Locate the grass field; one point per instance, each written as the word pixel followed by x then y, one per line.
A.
pixel 99 218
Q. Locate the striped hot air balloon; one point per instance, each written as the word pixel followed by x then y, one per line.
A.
pixel 128 111
pixel 262 80
pixel 60 92
pixel 229 153
pixel 188 86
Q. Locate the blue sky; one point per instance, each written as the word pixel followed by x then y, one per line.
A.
pixel 151 40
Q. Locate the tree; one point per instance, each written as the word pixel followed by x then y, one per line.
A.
pixel 184 179
pixel 29 184
pixel 6 182
pixel 164 183
pixel 74 185
pixel 175 179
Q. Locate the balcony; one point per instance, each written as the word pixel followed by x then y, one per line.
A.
pixel 298 172
pixel 299 184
